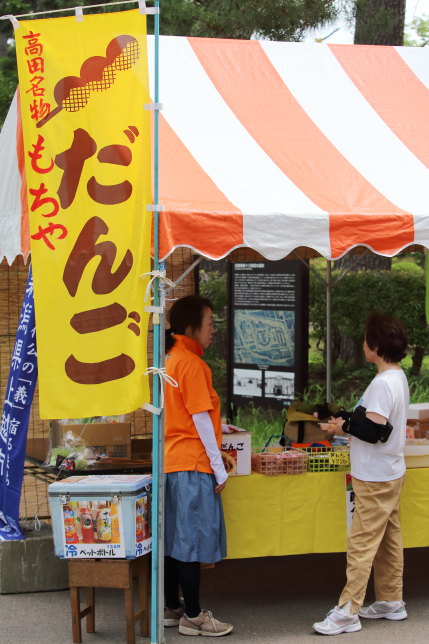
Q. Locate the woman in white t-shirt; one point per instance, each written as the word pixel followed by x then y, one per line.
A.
pixel 378 430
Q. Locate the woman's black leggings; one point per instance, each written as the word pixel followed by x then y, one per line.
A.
pixel 185 574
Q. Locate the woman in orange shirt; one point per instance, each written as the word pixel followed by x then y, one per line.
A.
pixel 195 473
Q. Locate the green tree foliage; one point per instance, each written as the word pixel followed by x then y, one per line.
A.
pixel 270 19
pixel 399 292
pixel 213 284
pixel 417 32
pixel 8 71
pixel 8 83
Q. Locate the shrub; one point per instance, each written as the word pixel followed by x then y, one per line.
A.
pixel 399 293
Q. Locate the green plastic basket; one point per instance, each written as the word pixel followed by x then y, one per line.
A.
pixel 323 462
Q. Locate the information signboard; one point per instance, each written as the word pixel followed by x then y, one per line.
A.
pixel 268 332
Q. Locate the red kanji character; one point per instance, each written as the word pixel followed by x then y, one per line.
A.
pixel 36 65
pixel 39 109
pixel 36 155
pixel 33 45
pixel 38 202
pixel 35 89
pixel 49 230
pixel 72 161
pixel 85 249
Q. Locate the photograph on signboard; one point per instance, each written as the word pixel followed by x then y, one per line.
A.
pixel 247 382
pixel 264 337
pixel 279 384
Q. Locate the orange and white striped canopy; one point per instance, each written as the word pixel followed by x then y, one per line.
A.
pixel 275 146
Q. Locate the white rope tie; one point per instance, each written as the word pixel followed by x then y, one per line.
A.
pixel 37 523
pixel 163 377
pixel 156 275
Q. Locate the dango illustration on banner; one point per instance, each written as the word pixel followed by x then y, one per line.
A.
pixel 93 529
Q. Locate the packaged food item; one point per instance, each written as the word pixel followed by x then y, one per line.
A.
pixel 104 524
pixel 70 531
pixel 86 525
pixel 139 521
pixel 115 522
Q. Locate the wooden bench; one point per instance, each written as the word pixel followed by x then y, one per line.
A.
pixel 109 573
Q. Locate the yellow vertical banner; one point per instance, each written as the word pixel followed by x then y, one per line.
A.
pixel 83 87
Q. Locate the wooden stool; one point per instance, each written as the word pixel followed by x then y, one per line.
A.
pixel 109 573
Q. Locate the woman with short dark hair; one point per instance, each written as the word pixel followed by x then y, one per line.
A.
pixel 378 431
pixel 195 473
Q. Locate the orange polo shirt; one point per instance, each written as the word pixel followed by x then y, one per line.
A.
pixel 184 450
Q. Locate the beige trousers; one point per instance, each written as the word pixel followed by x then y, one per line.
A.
pixel 374 540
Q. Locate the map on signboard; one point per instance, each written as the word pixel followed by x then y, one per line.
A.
pixel 264 337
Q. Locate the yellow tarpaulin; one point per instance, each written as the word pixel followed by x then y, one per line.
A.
pixel 288 515
pixel 87 152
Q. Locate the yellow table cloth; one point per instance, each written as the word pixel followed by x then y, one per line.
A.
pixel 298 514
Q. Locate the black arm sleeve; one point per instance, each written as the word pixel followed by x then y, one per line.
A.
pixel 367 430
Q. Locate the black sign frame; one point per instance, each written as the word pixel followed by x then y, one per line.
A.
pixel 271 296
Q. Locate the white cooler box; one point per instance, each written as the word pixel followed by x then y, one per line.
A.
pixel 102 516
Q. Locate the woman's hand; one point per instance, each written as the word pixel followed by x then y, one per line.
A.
pixel 220 487
pixel 334 426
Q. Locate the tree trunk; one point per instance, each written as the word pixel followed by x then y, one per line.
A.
pixel 3 45
pixel 368 261
pixel 379 22
pixel 417 359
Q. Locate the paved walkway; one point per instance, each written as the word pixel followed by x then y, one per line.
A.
pixel 270 601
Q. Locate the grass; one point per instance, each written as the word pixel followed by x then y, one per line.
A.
pixel 261 423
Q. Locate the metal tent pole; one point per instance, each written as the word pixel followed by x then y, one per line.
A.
pixel 328 330
pixel 157 602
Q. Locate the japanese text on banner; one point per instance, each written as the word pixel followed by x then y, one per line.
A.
pixel 83 86
pixel 15 416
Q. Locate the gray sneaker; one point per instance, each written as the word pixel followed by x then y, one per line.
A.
pixel 338 621
pixel 387 610
pixel 172 616
pixel 204 624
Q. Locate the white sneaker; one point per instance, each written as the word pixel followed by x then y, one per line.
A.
pixel 386 610
pixel 338 621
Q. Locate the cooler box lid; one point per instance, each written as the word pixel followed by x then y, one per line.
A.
pixel 100 484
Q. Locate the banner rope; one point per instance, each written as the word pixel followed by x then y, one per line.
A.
pixel 90 6
pixel 163 378
pixel 156 274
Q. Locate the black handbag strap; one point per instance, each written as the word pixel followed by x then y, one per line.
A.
pixel 301 431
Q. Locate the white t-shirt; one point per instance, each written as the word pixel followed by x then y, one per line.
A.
pixel 387 395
